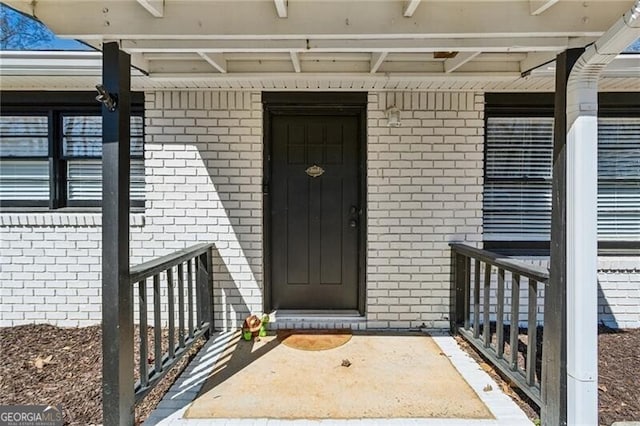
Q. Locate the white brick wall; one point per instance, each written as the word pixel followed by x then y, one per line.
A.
pixel 203 159
pixel 424 191
pixel 50 268
pixel 619 292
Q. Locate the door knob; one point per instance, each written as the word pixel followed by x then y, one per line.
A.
pixel 353 223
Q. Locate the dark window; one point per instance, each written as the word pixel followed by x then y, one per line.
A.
pixel 24 158
pixel 50 156
pixel 518 172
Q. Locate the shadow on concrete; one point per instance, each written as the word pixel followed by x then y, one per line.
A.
pixel 239 355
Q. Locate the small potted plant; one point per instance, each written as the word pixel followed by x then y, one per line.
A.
pixel 250 326
pixel 263 326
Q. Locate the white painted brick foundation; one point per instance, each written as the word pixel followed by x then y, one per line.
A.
pixel 203 160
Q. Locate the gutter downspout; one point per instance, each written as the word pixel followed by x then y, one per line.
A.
pixel 582 199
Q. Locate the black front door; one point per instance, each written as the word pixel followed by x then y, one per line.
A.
pixel 315 211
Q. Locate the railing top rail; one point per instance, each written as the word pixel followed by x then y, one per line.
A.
pixel 148 269
pixel 524 269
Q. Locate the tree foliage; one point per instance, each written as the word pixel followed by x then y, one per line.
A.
pixel 18 31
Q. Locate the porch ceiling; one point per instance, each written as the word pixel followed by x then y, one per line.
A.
pixel 333 44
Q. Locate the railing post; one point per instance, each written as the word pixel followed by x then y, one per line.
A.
pixel 203 284
pixel 457 310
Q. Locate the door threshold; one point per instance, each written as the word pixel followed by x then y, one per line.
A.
pixel 318 319
pixel 318 314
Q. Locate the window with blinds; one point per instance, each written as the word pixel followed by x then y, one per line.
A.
pixel 517 192
pixel 54 159
pixel 82 151
pixel 619 179
pixel 24 159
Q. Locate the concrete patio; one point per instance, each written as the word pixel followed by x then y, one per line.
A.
pixel 407 378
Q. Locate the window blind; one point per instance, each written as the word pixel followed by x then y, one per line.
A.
pixel 619 178
pixel 517 193
pixel 82 147
pixel 518 162
pixel 24 150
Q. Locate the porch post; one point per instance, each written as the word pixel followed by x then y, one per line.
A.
pixel 117 292
pixel 554 362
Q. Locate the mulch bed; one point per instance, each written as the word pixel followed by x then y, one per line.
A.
pixel 47 365
pixel 618 374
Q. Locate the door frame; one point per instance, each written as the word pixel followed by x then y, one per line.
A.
pixel 340 103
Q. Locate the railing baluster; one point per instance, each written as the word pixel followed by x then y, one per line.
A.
pixel 157 325
pixel 467 292
pixel 172 314
pixel 515 314
pixel 181 305
pixel 500 315
pixel 476 301
pixel 190 295
pixel 532 333
pixel 144 344
pixel 208 257
pixel 198 292
pixel 486 326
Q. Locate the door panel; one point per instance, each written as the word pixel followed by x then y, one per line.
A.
pixel 314 220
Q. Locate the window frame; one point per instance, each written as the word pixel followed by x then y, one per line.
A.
pixel 56 105
pixel 32 113
pixel 610 105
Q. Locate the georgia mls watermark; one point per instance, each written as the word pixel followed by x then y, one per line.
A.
pixel 31 415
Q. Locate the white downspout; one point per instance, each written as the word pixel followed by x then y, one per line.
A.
pixel 582 215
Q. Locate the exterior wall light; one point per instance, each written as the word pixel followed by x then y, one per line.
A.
pixel 108 99
pixel 393 117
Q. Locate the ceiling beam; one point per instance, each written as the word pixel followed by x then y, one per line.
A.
pixel 154 7
pixel 539 6
pixel 295 60
pixel 452 64
pixel 321 76
pixel 194 46
pixel 376 60
pixel 395 45
pixel 89 19
pixel 410 7
pixel 216 60
pixel 281 8
pixel 390 45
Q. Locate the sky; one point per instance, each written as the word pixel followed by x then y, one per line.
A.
pixel 20 32
pixel 36 36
